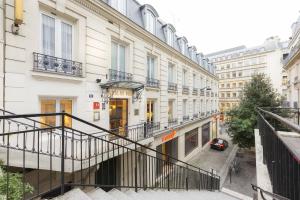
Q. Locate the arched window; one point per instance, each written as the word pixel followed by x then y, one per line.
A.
pixel 150 22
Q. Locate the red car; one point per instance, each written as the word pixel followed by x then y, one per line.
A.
pixel 218 144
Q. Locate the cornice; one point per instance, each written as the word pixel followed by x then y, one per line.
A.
pixel 101 8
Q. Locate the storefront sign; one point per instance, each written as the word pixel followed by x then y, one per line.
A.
pixel 169 136
pixel 96 105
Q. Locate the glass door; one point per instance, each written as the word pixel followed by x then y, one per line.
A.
pixel 118 116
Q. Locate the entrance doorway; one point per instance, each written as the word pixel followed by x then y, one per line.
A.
pixel 118 116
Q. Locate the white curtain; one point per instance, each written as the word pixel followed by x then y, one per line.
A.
pixel 66 41
pixel 150 62
pixel 121 58
pixel 114 53
pixel 48 26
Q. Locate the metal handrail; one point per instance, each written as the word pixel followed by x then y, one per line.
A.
pixel 270 194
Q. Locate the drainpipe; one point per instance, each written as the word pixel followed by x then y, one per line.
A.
pixel 4 51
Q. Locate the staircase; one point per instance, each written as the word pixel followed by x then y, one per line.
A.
pixel 57 160
pixel 99 194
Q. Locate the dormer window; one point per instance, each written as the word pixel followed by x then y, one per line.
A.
pixel 183 45
pixel 119 5
pixel 150 22
pixel 170 37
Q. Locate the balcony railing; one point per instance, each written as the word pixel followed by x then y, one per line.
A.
pixel 195 91
pixel 172 87
pixel 212 94
pixel 207 94
pixel 55 65
pixel 202 114
pixel 115 75
pixel 185 118
pixel 185 89
pixel 195 115
pixel 172 122
pixel 151 82
pixel 202 93
pixel 292 53
pixel 280 142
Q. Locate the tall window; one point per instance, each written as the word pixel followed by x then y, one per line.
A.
pixel 150 110
pixel 171 73
pixel 183 47
pixel 184 107
pixel 57 37
pixel 150 22
pixel 118 60
pixel 119 5
pixel 184 77
pixel 55 105
pixel 194 106
pixel 151 67
pixel 170 37
pixel 194 80
pixel 170 110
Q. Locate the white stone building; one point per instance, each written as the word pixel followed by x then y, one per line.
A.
pixel 235 67
pixel 114 63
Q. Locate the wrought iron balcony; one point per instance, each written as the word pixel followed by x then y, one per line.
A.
pixel 185 89
pixel 212 94
pixel 172 87
pixel 207 94
pixel 172 122
pixel 202 114
pixel 115 75
pixel 55 65
pixel 185 118
pixel 195 91
pixel 195 115
pixel 151 82
pixel 202 93
pixel 153 126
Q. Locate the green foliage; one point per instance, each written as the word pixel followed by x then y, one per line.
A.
pixel 15 186
pixel 242 120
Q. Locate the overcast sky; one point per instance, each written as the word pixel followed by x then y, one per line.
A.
pixel 213 25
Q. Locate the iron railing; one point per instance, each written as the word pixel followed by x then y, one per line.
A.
pixel 55 159
pixel 195 115
pixel 195 91
pixel 185 89
pixel 172 87
pixel 266 194
pixel 185 118
pixel 55 65
pixel 207 94
pixel 292 114
pixel 202 93
pixel 151 82
pixel 115 75
pixel 282 160
pixel 172 122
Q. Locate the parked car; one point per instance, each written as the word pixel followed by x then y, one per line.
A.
pixel 219 144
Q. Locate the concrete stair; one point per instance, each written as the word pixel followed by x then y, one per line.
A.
pixel 99 194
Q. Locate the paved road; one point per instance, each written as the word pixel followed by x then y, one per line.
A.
pixel 212 159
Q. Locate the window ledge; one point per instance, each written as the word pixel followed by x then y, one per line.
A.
pixel 152 88
pixel 56 76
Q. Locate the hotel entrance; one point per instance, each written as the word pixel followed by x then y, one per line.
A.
pixel 118 116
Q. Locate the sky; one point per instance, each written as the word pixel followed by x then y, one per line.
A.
pixel 213 25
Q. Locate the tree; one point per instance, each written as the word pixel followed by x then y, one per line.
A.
pixel 241 120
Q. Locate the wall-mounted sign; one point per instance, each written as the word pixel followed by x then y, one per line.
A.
pixel 103 106
pixel 96 116
pixel 169 136
pixel 96 105
pixel 91 96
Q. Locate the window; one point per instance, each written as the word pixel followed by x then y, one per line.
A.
pixel 183 47
pixel 150 22
pixel 222 67
pixel 56 105
pixel 194 80
pixel 222 95
pixel 233 74
pixel 150 110
pixel 240 64
pixel 151 67
pixel 222 85
pixel 240 84
pixel 194 106
pixel 170 37
pixel 184 107
pixel 191 141
pixel 222 76
pixel 57 37
pixel 228 94
pixel 234 94
pixel 170 109
pixel 228 75
pixel 228 66
pixel 233 85
pixel 228 85
pixel 240 74
pixel 171 73
pixel 119 5
pixel 184 77
pixel 118 60
pixel 254 61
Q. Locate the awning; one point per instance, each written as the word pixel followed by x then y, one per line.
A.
pixel 135 86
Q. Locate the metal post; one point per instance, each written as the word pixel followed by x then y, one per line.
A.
pixel 168 176
pixel 187 178
pixel 145 129
pixel 135 169
pixel 212 178
pixel 62 181
pixel 298 120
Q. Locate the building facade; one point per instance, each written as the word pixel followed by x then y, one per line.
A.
pixel 236 66
pixel 113 63
pixel 291 67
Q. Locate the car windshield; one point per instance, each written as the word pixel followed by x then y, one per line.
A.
pixel 220 141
